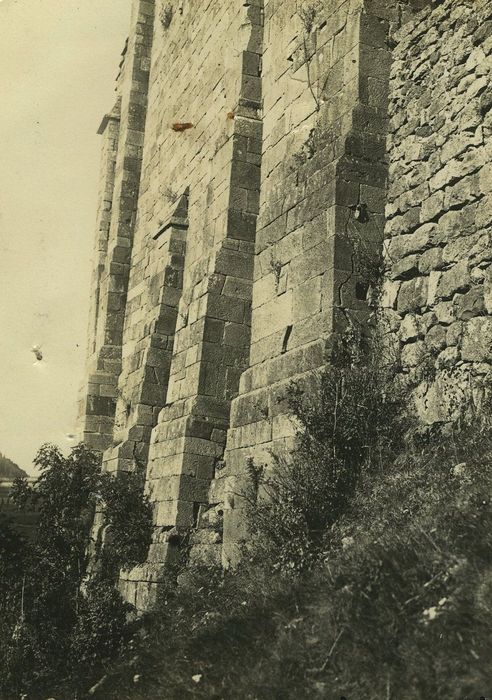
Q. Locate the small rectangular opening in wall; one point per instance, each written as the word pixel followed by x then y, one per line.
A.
pixel 361 290
pixel 285 342
pixel 196 513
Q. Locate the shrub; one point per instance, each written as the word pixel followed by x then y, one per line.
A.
pixel 100 631
pixel 13 551
pixel 351 422
pixel 57 634
pixel 13 555
pixel 128 515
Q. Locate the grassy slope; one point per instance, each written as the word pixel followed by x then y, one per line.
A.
pixel 400 608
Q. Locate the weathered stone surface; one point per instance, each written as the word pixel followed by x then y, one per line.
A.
pixel 477 340
pixel 430 260
pixel 440 401
pixel 415 242
pixel 406 268
pixel 454 333
pixel 438 140
pixel 470 304
pixel 413 354
pixel 436 338
pixel 413 295
pixel 454 280
pixel 389 294
pixel 409 328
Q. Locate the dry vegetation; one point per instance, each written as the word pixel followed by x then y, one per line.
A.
pixel 368 573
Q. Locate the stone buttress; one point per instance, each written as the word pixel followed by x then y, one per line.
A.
pixel 324 171
pixel 187 323
pixel 122 131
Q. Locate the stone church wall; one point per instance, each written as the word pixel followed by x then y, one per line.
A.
pixel 246 172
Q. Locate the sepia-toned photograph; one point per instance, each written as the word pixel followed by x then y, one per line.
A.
pixel 246 353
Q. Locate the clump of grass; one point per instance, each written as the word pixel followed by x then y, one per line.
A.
pixel 167 16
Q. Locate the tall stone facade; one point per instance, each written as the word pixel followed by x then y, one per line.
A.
pixel 245 166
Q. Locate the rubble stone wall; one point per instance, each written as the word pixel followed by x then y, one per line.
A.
pixel 438 289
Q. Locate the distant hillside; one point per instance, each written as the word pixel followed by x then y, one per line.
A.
pixel 8 469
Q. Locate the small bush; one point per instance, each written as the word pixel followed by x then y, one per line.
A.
pixel 54 636
pixel 128 515
pixel 352 422
pixel 101 629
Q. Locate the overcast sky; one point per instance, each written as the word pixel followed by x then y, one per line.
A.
pixel 58 62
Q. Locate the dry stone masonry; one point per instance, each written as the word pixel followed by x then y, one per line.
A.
pixel 259 158
pixel 438 244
